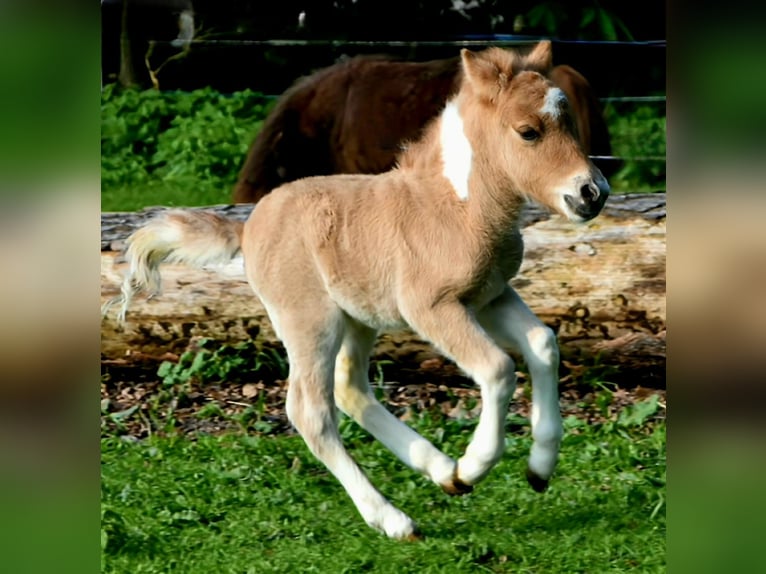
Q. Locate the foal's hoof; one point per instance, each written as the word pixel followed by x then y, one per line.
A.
pixel 537 483
pixel 457 487
pixel 415 536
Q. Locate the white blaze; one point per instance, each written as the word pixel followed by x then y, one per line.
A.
pixel 553 101
pixel 456 150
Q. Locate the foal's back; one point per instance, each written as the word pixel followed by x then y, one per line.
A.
pixel 363 238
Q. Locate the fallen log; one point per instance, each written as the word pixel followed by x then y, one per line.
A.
pixel 600 285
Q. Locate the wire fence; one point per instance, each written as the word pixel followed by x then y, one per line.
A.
pixel 475 41
pixel 646 99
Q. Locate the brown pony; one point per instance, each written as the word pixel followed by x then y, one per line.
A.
pixel 353 117
pixel 429 245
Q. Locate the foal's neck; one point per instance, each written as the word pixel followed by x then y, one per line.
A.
pixel 479 190
pixel 493 205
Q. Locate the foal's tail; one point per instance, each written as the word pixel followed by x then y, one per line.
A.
pixel 196 238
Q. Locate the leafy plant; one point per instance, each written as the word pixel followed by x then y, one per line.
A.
pixel 589 21
pixel 113 529
pixel 194 138
pixel 242 361
pixel 638 134
pixel 640 413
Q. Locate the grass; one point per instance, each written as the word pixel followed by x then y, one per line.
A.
pixel 166 193
pixel 243 503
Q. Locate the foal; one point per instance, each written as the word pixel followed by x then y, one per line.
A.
pixel 431 245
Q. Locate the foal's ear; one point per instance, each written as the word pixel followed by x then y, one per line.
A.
pixel 541 56
pixel 483 72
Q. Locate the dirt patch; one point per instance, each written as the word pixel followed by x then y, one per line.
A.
pixel 137 403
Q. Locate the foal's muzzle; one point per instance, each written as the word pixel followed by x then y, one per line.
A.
pixel 591 196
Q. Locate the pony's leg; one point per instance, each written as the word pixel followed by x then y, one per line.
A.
pixel 312 342
pixel 453 329
pixel 513 325
pixel 354 397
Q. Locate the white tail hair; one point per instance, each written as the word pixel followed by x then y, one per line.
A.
pixel 195 238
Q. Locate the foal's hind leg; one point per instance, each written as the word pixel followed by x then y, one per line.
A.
pixel 312 341
pixel 513 325
pixel 354 397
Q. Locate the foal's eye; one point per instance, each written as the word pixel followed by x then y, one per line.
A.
pixel 529 134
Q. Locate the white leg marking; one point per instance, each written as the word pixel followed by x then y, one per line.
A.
pixel 313 415
pixel 488 442
pixel 456 150
pixel 354 397
pixel 513 325
pixel 543 360
pixel 469 345
pixel 554 98
pixel 376 511
pixel 311 350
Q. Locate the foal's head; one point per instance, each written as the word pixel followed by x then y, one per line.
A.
pixel 521 127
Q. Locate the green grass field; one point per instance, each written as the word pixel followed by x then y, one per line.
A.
pixel 238 503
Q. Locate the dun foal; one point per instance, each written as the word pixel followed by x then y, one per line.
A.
pixel 431 245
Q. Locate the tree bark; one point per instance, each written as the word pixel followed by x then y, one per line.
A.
pixel 127 75
pixel 599 285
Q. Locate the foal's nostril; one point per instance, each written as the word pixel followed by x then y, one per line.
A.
pixel 589 192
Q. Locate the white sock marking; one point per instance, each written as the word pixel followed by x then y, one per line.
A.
pixel 456 150
pixel 553 100
pixel 542 343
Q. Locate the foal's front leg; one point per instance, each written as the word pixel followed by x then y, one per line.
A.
pixel 513 325
pixel 455 331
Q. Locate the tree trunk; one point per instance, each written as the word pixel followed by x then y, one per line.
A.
pixel 600 285
pixel 127 76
